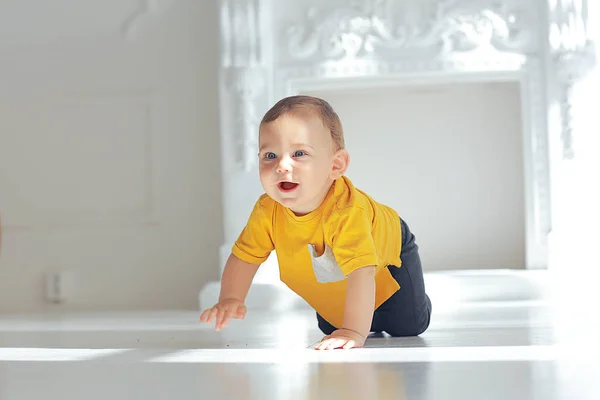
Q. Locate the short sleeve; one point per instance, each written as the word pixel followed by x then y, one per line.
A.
pixel 352 241
pixel 255 242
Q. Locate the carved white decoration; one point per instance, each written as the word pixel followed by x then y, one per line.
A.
pixel 387 25
pixel 566 111
pixel 244 73
pixel 247 84
pixel 241 43
pixel 568 24
pixel 391 42
pixel 325 266
pixel 573 56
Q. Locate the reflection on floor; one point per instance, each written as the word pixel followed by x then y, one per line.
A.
pixel 534 348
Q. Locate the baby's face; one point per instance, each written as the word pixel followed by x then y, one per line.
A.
pixel 295 161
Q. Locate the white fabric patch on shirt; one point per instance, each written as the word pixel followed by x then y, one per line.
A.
pixel 325 266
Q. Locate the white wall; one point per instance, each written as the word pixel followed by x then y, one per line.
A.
pixel 109 161
pixel 449 159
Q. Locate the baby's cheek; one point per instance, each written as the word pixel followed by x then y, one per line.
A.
pixel 264 169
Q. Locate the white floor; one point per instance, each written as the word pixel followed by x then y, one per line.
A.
pixel 511 349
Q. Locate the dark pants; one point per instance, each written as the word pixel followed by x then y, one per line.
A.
pixel 407 312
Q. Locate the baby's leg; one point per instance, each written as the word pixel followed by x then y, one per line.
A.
pixel 408 311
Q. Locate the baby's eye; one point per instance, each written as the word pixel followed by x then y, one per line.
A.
pixel 270 156
pixel 299 153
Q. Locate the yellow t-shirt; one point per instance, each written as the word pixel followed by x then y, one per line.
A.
pixel 317 251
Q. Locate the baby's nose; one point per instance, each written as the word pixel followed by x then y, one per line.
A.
pixel 284 165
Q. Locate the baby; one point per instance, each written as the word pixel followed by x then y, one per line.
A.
pixel 352 259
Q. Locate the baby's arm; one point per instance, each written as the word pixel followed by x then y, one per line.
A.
pixel 360 301
pixel 237 278
pixel 358 312
pixel 235 284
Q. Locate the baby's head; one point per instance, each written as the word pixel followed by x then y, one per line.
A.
pixel 309 107
pixel 302 152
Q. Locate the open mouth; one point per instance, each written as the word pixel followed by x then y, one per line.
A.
pixel 287 186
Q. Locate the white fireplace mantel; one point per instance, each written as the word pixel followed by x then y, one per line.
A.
pixel 272 49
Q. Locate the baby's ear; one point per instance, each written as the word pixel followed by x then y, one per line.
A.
pixel 341 160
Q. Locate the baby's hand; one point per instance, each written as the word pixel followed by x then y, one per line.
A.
pixel 223 312
pixel 341 338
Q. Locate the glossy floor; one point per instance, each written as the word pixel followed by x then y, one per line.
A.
pixel 476 350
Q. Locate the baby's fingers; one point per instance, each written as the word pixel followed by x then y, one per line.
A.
pixel 324 344
pixel 206 315
pixel 214 314
pixel 350 344
pixel 223 317
pixel 336 344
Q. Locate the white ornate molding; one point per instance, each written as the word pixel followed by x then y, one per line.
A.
pixel 573 56
pixel 247 84
pixel 568 25
pixel 244 76
pixel 387 28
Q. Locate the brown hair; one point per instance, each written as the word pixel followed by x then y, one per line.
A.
pixel 323 109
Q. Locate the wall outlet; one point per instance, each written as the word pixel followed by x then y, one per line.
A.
pixel 55 287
